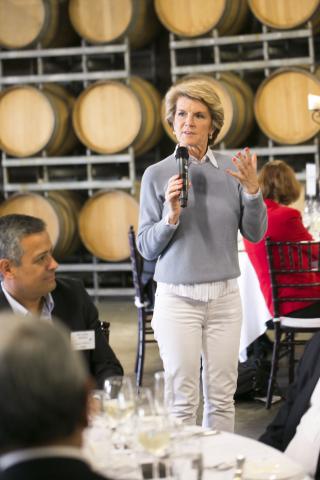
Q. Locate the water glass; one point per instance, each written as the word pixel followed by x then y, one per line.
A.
pixel 95 403
pixel 163 393
pixel 186 459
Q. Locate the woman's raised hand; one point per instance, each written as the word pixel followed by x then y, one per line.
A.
pixel 246 164
pixel 172 197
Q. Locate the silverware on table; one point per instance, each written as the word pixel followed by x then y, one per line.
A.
pixel 220 466
pixel 240 459
pixel 206 433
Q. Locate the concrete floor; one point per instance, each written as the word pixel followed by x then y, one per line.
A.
pixel 251 416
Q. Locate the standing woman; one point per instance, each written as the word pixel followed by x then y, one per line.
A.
pixel 197 309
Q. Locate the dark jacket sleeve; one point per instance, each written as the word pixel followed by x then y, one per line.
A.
pixel 282 429
pixel 74 307
pixel 103 361
pixel 274 434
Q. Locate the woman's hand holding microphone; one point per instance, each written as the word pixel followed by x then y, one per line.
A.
pixel 172 198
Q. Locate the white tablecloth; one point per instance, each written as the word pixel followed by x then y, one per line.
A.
pixel 262 462
pixel 254 309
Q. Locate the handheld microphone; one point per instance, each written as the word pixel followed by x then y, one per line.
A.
pixel 182 155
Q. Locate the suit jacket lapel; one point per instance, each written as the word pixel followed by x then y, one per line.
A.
pixel 59 309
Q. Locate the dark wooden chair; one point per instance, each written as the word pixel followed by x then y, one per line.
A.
pixel 144 303
pixel 291 259
pixel 105 327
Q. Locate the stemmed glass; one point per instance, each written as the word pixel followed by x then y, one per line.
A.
pixel 118 401
pixel 153 432
pixel 163 395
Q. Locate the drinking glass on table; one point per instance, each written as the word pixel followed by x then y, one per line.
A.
pixel 96 410
pixel 161 398
pixel 118 403
pixel 152 430
pixel 186 459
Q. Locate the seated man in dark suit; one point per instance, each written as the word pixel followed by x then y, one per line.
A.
pixel 29 286
pixel 296 428
pixel 44 388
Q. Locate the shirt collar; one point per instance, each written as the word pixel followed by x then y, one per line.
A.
pixel 209 156
pixel 12 458
pixel 47 307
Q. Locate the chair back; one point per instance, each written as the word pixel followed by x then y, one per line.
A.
pixel 136 264
pixel 294 269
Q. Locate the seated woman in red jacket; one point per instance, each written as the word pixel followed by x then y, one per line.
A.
pixel 279 188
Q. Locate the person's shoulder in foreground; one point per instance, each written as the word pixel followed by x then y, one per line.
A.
pixel 56 468
pixel 296 425
pixel 283 427
pixel 44 402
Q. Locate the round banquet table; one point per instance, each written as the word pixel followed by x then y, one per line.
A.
pixel 262 462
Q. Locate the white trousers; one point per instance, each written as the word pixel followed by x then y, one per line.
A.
pixel 186 331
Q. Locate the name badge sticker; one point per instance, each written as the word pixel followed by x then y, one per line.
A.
pixel 83 340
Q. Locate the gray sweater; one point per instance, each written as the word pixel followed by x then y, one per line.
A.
pixel 203 248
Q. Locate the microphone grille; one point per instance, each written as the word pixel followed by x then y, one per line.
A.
pixel 182 152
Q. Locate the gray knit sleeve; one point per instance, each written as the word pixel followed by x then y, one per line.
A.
pixel 253 223
pixel 154 234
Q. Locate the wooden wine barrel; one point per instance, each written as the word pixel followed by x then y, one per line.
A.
pixel 104 21
pixel 286 14
pixel 104 224
pixel 59 211
pixel 281 105
pixel 65 139
pixel 188 18
pixel 24 23
pixel 151 128
pixel 107 116
pixel 237 100
pixel 67 204
pixel 32 120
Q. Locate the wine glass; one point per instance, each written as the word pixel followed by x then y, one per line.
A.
pixel 163 395
pixel 118 403
pixel 153 433
pixel 163 399
pixel 96 414
pixel 145 406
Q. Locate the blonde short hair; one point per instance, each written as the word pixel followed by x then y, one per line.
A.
pixel 196 88
pixel 278 182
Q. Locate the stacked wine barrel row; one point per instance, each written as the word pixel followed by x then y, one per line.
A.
pixel 25 23
pixel 187 18
pixel 108 117
pixel 280 106
pixel 56 23
pixel 100 223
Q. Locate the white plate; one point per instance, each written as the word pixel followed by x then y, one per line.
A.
pixel 267 469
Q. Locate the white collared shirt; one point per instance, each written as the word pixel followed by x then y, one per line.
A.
pixel 208 156
pixel 18 309
pixel 17 456
pixel 304 447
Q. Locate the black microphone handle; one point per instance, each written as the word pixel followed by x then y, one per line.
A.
pixel 184 174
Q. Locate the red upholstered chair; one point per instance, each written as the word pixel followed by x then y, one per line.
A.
pixel 287 262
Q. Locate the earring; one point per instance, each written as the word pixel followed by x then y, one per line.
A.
pixel 210 136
